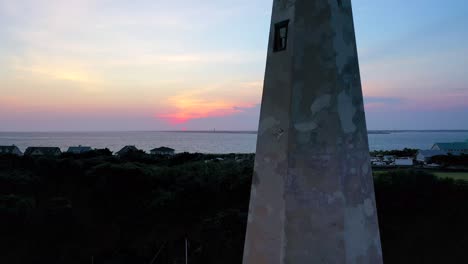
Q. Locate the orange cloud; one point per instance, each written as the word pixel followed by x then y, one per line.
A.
pixel 189 106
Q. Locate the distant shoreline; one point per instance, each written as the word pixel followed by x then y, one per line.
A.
pixel 374 132
pixel 383 132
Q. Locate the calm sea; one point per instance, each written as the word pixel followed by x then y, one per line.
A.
pixel 219 142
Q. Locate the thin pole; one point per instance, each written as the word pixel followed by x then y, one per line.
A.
pixel 186 254
pixel 157 253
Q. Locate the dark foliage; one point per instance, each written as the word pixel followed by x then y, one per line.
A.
pixel 90 154
pixel 68 209
pixel 422 218
pixel 406 152
pixel 73 208
pixel 451 160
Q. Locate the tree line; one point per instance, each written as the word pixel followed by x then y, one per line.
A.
pixel 141 209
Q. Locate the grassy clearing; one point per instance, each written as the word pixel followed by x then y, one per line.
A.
pixel 439 174
pixel 452 175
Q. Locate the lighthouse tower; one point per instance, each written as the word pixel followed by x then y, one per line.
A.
pixel 312 198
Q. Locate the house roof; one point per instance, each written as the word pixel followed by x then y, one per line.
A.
pixel 126 149
pixel 162 149
pixel 43 150
pixel 453 145
pixel 432 152
pixel 79 149
pixel 8 149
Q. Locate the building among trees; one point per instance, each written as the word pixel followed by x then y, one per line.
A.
pixel 426 155
pixel 162 151
pixel 42 151
pixel 126 150
pixel 453 148
pixel 13 150
pixel 79 150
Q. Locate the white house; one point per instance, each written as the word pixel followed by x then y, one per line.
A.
pixel 379 163
pixel 426 155
pixel 403 162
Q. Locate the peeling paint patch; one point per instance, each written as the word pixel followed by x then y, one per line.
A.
pixel 346 111
pixel 335 196
pixel 320 103
pixel 305 126
pixel 358 239
pixel 267 124
pixel 365 168
pixel 368 207
pixel 342 45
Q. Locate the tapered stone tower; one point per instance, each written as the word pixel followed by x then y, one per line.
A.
pixel 312 198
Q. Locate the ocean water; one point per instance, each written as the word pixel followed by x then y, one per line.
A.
pixel 219 142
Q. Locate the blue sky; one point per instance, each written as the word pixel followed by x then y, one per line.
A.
pixel 181 64
pixel 414 53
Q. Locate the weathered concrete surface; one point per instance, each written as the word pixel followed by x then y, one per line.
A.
pixel 312 198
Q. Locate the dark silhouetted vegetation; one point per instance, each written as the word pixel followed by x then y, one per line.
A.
pixel 451 160
pixel 74 208
pixel 406 152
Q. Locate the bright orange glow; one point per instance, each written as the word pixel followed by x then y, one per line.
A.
pixel 186 108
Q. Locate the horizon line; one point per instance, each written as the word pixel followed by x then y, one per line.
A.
pixel 215 131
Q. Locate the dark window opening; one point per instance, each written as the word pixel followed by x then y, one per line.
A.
pixel 340 3
pixel 281 36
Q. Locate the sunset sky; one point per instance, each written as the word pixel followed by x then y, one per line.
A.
pixel 88 65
